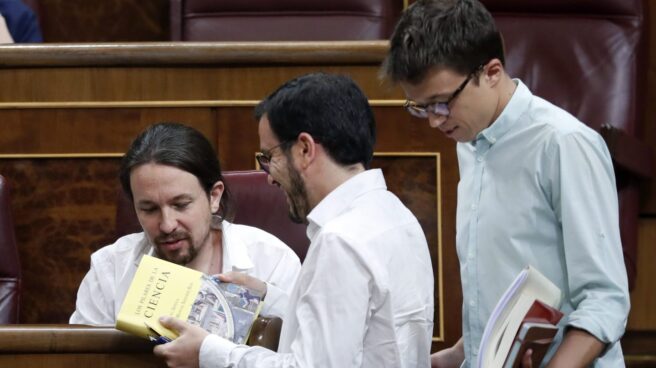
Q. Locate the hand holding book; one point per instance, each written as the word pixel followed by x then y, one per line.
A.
pixel 183 351
pixel 245 280
pixel 536 333
pixel 525 317
pixel 161 288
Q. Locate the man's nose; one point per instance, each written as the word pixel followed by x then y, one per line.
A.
pixel 168 222
pixel 435 120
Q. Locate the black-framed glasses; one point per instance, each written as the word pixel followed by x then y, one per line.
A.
pixel 264 158
pixel 438 108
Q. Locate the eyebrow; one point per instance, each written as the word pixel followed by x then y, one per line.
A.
pixel 267 151
pixel 179 197
pixel 436 98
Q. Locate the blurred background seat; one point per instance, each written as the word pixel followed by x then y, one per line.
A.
pixel 282 20
pixel 255 203
pixel 10 270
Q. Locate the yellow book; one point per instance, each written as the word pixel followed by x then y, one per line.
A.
pixel 162 288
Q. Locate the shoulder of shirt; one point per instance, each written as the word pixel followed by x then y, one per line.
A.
pixel 557 122
pixel 255 237
pixel 368 217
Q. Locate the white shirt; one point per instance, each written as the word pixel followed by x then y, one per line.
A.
pixel 5 36
pixel 537 188
pixel 364 297
pixel 245 249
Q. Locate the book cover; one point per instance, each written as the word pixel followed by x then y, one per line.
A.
pixel 537 331
pixel 535 336
pixel 163 288
pixel 508 315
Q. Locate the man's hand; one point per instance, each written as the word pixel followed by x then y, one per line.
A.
pixel 449 358
pixel 182 352
pixel 527 361
pixel 243 279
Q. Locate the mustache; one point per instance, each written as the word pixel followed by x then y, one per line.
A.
pixel 171 238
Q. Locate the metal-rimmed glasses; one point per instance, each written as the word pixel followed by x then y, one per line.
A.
pixel 438 108
pixel 264 158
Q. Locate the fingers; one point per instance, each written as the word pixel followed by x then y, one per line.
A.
pixel 159 350
pixel 173 323
pixel 244 279
pixel 526 360
pixel 228 276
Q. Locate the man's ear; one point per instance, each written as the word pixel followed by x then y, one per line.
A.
pixel 492 72
pixel 215 196
pixel 305 150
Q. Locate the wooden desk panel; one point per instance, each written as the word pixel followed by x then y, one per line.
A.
pixel 73 345
pixel 80 360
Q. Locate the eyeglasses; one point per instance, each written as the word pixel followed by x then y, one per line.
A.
pixel 438 108
pixel 264 158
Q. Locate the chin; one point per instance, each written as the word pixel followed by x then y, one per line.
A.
pixel 175 257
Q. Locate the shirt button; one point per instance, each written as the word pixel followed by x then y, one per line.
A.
pixel 479 159
pixel 473 207
pixel 471 303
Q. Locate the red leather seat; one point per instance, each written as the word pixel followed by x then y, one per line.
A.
pixel 587 56
pixel 255 203
pixel 10 269
pixel 282 20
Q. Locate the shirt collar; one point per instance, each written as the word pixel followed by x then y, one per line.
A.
pixel 143 247
pixel 235 251
pixel 510 115
pixel 342 197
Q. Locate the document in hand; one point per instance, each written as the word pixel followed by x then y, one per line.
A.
pixel 163 288
pixel 518 307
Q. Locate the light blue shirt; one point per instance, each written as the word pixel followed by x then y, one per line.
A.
pixel 537 188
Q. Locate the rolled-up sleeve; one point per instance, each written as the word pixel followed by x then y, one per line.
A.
pixel 588 210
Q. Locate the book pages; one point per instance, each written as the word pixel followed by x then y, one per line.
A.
pixel 507 315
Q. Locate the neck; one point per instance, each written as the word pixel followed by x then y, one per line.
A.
pixel 506 89
pixel 209 259
pixel 331 176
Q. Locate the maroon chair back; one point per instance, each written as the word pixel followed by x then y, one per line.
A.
pixel 10 269
pixel 282 20
pixel 587 56
pixel 255 203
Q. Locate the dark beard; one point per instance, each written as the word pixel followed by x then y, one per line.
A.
pixel 297 194
pixel 192 252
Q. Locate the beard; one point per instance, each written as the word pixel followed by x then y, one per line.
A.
pixel 297 194
pixel 181 256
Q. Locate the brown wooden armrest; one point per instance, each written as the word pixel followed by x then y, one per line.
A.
pixel 265 332
pixel 44 339
pixel 628 152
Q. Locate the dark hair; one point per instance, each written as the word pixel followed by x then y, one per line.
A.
pixel 456 34
pixel 331 108
pixel 180 146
